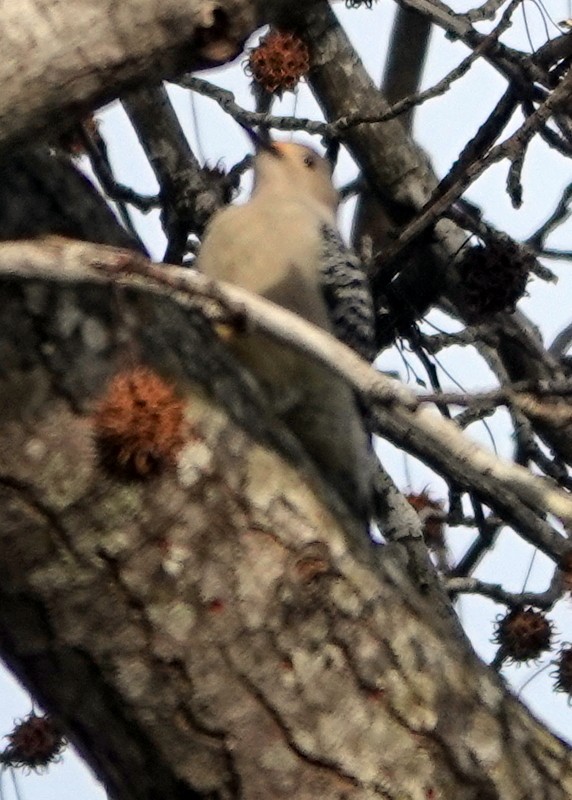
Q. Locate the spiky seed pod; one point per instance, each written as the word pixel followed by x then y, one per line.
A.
pixel 564 671
pixel 35 742
pixel 494 277
pixel 139 424
pixel 431 514
pixel 523 634
pixel 358 3
pixel 279 61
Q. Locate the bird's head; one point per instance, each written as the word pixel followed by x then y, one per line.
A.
pixel 286 167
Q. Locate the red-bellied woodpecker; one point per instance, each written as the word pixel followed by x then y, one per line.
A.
pixel 284 245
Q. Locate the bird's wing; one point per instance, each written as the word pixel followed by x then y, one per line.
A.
pixel 347 293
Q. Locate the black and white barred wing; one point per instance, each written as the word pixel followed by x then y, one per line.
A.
pixel 347 292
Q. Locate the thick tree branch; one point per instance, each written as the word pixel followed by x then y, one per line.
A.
pixel 232 641
pixel 42 192
pixel 517 495
pixel 64 59
pixel 188 197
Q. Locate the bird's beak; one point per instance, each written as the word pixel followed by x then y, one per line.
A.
pixel 332 152
pixel 260 139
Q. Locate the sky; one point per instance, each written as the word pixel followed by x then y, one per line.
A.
pixel 442 126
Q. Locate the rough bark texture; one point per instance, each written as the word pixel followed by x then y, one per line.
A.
pixel 213 632
pixel 80 54
pixel 42 192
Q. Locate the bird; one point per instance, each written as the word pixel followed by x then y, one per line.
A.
pixel 284 244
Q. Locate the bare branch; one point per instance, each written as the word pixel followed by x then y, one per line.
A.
pixel 514 65
pixel 406 58
pixel 489 529
pixel 558 216
pixel 337 127
pixel 227 102
pixel 561 255
pixel 487 11
pixel 468 336
pixel 96 149
pixel 504 396
pixel 562 342
pixel 510 148
pixel 188 199
pixel 543 600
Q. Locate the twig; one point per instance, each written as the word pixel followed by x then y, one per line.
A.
pixel 514 65
pixel 513 180
pixel 561 255
pixel 558 216
pixel 439 341
pixel 561 144
pixel 336 128
pixel 417 348
pixel 400 65
pixel 503 396
pixel 96 150
pixel 562 342
pixel 227 102
pixel 97 154
pixel 442 199
pixel 472 415
pixel 486 11
pixel 543 600
pixel 528 450
pixel 489 528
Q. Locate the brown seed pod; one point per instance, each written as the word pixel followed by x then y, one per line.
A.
pixel 494 277
pixel 279 61
pixel 564 671
pixel 139 424
pixel 35 742
pixel 523 634
pixel 431 514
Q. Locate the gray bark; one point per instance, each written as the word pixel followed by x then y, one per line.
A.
pixel 62 59
pixel 217 631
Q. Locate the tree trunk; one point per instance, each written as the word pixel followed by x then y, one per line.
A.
pixel 217 630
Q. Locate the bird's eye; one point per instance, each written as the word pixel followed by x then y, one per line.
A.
pixel 309 161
